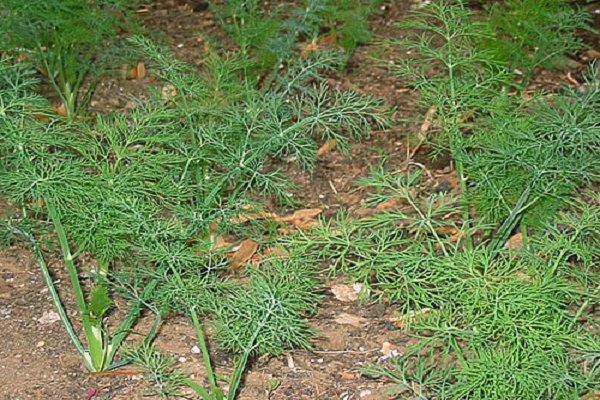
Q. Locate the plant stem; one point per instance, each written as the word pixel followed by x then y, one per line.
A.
pixel 510 223
pixel 454 133
pixel 217 393
pixel 39 256
pixel 127 323
pixel 93 332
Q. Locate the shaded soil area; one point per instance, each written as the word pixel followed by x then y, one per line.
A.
pixel 37 361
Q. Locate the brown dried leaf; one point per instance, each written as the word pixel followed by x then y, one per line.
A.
pixel 328 146
pixel 305 224
pixel 140 70
pixel 308 48
pixel 221 243
pixel 446 230
pixel 515 243
pixel 350 199
pixel 429 118
pixel 169 92
pixel 350 319
pixel 307 213
pixel 347 293
pixel 391 204
pixel 60 110
pixel 592 54
pixel 41 118
pixel 245 251
pixel 275 252
pixel 348 376
pixel 328 40
pixel 254 216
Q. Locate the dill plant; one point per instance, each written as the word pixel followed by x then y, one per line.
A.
pixel 68 41
pixel 492 323
pixel 274 36
pixel 262 313
pixel 499 143
pixel 530 34
pixel 466 79
pixel 139 189
pixel 529 158
pixel 488 326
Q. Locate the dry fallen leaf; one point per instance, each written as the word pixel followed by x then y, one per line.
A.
pixel 302 214
pixel 389 351
pixel 307 213
pixel 275 252
pixel 140 70
pixel 446 230
pixel 401 321
pixel 245 251
pixel 328 146
pixel 515 243
pixel 49 317
pixel 349 376
pixel 427 123
pixel 169 92
pixel 392 203
pixel 220 243
pixel 347 293
pixel 254 216
pixel 41 118
pixel 350 319
pixel 592 54
pixel 328 40
pixel 308 48
pixel 60 110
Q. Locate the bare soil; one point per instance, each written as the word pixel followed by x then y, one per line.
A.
pixel 37 361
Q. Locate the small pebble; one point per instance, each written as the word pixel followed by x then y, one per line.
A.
pixel 182 359
pixel 41 343
pixel 196 350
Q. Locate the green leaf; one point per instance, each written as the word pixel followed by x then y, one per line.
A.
pixel 100 302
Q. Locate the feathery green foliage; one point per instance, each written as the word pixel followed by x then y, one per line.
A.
pixel 135 189
pixel 274 36
pixel 492 323
pixel 527 34
pixel 67 41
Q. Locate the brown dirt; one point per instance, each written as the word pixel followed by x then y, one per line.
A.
pixel 37 361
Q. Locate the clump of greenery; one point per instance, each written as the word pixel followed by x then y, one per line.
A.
pixel 527 34
pixel 494 320
pixel 140 188
pixel 488 324
pixel 504 147
pixel 274 36
pixel 263 316
pixel 498 324
pixel 528 159
pixel 465 83
pixel 67 41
